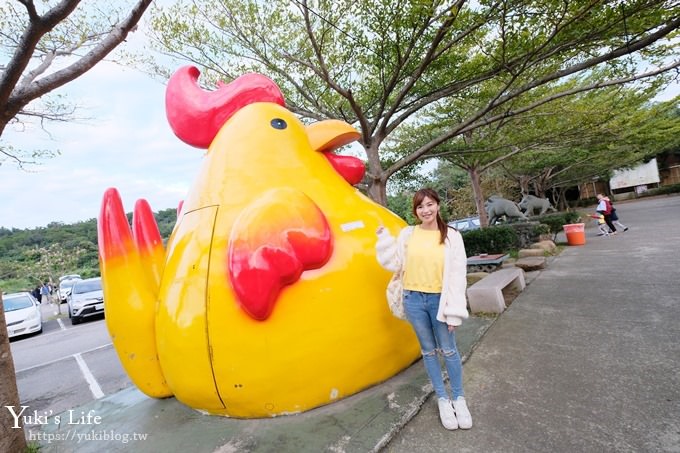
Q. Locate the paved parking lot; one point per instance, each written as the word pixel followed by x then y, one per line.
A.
pixel 66 366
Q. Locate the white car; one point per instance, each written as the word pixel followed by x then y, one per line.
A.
pixel 86 299
pixel 22 314
pixel 65 287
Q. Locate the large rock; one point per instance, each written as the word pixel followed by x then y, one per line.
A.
pixel 530 252
pixel 531 263
pixel 548 246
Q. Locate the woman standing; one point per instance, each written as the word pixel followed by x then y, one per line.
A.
pixel 432 257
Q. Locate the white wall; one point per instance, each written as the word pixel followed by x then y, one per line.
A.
pixel 642 174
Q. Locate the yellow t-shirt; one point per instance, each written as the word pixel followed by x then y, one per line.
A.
pixel 424 262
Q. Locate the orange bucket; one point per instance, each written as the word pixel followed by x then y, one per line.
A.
pixel 575 232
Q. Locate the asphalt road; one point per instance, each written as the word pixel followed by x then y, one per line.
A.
pixel 66 366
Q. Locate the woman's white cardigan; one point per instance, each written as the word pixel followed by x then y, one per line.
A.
pixel 391 255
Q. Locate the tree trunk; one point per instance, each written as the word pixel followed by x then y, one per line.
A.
pixel 377 190
pixel 561 199
pixel 475 181
pixel 524 184
pixel 375 175
pixel 12 440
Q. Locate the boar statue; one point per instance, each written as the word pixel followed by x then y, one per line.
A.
pixel 531 203
pixel 497 207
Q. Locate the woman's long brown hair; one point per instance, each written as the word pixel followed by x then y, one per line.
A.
pixel 418 198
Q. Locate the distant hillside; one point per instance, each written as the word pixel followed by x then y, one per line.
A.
pixel 31 256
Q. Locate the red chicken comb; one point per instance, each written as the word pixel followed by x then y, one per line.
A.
pixel 196 115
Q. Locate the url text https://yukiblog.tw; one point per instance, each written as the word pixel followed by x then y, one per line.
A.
pixel 87 423
pixel 94 435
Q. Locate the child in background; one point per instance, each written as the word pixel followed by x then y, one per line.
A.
pixel 601 224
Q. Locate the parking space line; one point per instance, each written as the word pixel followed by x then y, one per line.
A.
pixel 61 324
pixel 94 385
pixel 63 358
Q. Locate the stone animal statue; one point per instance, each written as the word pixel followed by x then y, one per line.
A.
pixel 530 204
pixel 497 207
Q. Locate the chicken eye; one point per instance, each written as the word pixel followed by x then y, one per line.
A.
pixel 278 123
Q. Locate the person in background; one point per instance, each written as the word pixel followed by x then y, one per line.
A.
pixel 614 215
pixel 36 293
pixel 45 294
pixel 434 261
pixel 604 207
pixel 601 224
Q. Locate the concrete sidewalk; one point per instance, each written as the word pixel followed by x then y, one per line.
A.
pixel 587 358
pixel 361 423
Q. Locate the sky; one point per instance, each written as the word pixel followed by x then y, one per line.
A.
pixel 127 144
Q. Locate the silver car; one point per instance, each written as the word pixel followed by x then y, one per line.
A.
pixel 86 300
pixel 22 314
pixel 65 287
pixel 466 224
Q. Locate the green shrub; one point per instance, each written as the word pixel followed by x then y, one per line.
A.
pixel 13 285
pixel 555 222
pixel 497 239
pixel 672 188
pixel 540 229
pixel 584 202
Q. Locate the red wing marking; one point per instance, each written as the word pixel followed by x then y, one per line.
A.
pixel 272 242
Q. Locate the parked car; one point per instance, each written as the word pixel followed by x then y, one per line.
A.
pixel 86 299
pixel 70 277
pixel 66 285
pixel 22 314
pixel 466 224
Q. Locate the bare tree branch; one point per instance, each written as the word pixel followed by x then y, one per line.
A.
pixel 37 27
pixel 40 87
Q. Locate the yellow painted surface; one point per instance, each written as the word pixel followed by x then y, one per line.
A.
pixel 330 334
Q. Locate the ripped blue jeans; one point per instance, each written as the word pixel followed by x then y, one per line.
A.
pixel 434 336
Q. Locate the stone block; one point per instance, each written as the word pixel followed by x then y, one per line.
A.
pixel 530 252
pixel 487 294
pixel 548 246
pixel 531 263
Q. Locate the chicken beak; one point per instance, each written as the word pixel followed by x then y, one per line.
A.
pixel 327 136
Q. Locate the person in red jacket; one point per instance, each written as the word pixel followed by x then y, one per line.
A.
pixel 613 215
pixel 604 207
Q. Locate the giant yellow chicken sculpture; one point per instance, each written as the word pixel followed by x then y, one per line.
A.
pixel 269 299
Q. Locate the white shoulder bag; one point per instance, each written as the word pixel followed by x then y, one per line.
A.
pixel 395 288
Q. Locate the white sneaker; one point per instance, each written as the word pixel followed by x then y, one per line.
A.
pixel 462 413
pixel 446 414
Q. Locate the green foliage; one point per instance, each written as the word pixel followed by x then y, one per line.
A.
pixel 540 229
pixel 33 447
pixel 426 78
pixel 555 222
pixel 402 206
pixel 672 188
pixel 585 202
pixel 496 239
pixel 31 256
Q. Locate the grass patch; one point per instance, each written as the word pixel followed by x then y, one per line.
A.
pixel 32 447
pixel 485 315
